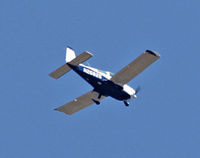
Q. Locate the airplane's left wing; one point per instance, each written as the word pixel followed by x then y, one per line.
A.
pixel 79 103
pixel 135 67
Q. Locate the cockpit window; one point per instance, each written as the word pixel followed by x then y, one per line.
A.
pixel 111 74
pixel 107 73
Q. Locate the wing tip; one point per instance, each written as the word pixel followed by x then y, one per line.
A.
pixel 60 110
pixel 53 76
pixel 153 53
pixel 90 54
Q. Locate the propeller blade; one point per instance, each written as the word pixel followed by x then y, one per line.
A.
pixel 137 89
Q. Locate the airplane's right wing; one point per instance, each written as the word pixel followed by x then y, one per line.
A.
pixel 79 103
pixel 135 67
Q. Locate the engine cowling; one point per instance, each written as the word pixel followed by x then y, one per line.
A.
pixel 129 90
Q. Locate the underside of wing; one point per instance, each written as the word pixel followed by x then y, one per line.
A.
pixel 135 67
pixel 79 103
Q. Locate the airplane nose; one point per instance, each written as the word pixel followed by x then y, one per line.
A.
pixel 134 96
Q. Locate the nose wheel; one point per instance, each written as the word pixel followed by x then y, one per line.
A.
pixel 126 103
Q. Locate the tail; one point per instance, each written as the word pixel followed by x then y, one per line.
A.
pixel 70 54
pixel 71 59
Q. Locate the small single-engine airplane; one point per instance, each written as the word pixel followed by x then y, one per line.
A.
pixel 104 83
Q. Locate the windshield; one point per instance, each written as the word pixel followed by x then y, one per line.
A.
pixel 111 74
pixel 107 73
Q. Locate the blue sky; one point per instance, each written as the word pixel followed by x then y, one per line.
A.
pixel 162 122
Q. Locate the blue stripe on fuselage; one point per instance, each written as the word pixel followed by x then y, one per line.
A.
pixel 89 75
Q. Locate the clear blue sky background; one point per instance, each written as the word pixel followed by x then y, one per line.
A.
pixel 163 121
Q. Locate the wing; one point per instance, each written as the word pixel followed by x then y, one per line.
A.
pixel 135 67
pixel 79 103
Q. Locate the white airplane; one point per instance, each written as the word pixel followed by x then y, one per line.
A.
pixel 104 83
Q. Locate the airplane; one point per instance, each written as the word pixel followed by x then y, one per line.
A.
pixel 104 83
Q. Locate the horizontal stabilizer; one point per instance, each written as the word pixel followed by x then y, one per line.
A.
pixel 81 58
pixel 60 71
pixel 65 68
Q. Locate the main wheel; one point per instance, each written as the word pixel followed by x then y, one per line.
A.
pixel 126 103
pixel 96 101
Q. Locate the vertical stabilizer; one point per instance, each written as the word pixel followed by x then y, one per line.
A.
pixel 70 54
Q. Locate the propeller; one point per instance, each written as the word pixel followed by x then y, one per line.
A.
pixel 136 92
pixel 137 89
pixel 130 101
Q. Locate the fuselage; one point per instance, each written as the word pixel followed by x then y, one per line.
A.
pixel 100 81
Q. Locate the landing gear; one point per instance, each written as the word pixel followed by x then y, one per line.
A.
pixel 126 103
pixel 99 97
pixel 96 101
